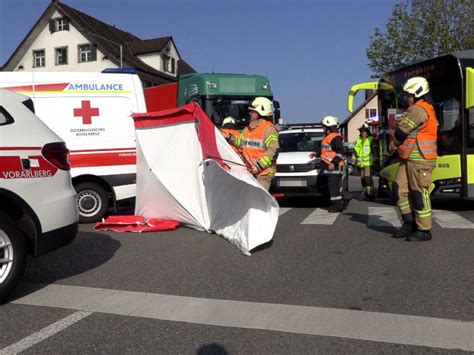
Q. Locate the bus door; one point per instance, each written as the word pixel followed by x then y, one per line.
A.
pixel 386 120
pixel 469 181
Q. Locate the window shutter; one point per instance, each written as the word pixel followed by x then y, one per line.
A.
pixel 52 25
pixel 66 24
pixel 173 65
pixel 93 53
pixel 65 55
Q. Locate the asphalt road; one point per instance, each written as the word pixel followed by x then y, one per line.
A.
pixel 350 269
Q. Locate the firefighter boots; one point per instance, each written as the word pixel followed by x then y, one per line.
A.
pixel 405 230
pixel 419 236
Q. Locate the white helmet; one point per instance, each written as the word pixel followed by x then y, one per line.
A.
pixel 365 127
pixel 228 120
pixel 417 86
pixel 263 106
pixel 330 121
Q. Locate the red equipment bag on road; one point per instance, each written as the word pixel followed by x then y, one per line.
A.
pixel 137 224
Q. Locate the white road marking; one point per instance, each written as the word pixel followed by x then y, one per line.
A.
pixel 449 219
pixel 320 216
pixel 370 326
pixel 44 333
pixel 383 217
pixel 283 210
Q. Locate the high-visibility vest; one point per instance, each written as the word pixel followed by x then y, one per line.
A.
pixel 327 154
pixel 234 133
pixel 425 136
pixel 253 147
pixel 363 151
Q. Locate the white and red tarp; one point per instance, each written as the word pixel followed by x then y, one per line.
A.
pixel 187 172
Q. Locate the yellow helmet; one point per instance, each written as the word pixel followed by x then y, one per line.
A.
pixel 417 86
pixel 330 121
pixel 263 106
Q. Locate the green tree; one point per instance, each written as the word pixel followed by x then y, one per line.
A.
pixel 421 29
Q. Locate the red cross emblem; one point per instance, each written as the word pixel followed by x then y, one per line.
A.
pixel 86 112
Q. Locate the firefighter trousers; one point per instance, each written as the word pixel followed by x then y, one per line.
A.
pixel 366 180
pixel 411 189
pixel 335 182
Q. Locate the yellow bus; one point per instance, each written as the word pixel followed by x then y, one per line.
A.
pixel 451 79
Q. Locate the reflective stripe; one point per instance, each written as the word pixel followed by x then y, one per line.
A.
pixel 271 138
pixel 333 172
pixel 239 140
pixel 253 143
pixel 427 143
pixel 336 198
pixel 266 161
pixel 423 214
pixel 403 205
pixel 409 122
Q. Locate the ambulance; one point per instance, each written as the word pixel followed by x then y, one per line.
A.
pixel 91 113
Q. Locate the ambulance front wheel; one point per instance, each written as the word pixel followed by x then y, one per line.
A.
pixel 13 255
pixel 92 202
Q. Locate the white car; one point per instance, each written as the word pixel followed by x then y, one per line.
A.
pixel 38 212
pixel 297 174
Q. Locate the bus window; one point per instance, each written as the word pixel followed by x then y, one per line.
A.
pixel 450 127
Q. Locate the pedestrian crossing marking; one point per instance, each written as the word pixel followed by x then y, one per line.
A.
pixel 383 217
pixel 449 219
pixel 320 216
pixel 386 217
pixel 283 210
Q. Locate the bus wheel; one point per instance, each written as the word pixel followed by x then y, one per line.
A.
pixel 12 255
pixel 92 202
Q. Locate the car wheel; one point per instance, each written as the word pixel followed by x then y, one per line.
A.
pixel 13 255
pixel 92 202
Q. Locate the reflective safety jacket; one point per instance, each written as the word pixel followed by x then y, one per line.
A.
pixel 421 143
pixel 254 145
pixel 327 154
pixel 363 152
pixel 234 133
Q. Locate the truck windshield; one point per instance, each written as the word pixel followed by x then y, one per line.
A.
pixel 301 142
pixel 219 108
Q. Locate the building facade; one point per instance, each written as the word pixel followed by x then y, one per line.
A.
pixel 368 110
pixel 66 39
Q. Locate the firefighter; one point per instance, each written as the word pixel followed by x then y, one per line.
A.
pixel 363 159
pixel 416 137
pixel 228 125
pixel 333 164
pixel 259 141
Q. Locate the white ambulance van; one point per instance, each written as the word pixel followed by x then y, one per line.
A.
pixel 38 212
pixel 91 113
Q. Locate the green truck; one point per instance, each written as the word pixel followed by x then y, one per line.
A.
pixel 220 95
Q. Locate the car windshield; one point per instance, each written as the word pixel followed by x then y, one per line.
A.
pixel 301 141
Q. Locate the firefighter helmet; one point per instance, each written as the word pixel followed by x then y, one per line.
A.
pixel 263 106
pixel 417 86
pixel 228 120
pixel 330 121
pixel 364 127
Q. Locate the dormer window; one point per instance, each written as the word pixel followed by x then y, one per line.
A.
pixel 59 24
pixel 169 64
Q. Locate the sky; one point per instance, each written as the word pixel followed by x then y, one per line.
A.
pixel 312 51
